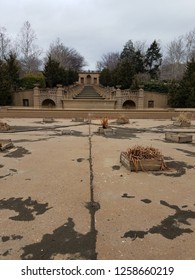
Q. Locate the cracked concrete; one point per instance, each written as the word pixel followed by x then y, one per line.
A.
pixel 68 197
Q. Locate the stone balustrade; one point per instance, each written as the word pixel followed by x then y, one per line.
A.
pixel 106 92
pixel 73 91
pixel 129 93
pixel 48 91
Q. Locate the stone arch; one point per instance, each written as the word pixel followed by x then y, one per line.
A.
pixel 88 79
pixel 129 104
pixel 48 103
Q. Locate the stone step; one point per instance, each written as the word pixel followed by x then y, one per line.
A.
pixel 88 92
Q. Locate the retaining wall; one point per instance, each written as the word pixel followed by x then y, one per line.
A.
pixel 13 112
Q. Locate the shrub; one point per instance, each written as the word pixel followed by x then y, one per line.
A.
pixel 29 81
pixel 104 122
pixel 156 86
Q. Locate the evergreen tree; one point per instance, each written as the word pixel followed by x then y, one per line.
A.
pixel 128 52
pixel 127 65
pixel 72 76
pixel 5 85
pixel 125 74
pixel 125 69
pixel 106 77
pixel 53 73
pixel 139 62
pixel 133 56
pixel 173 97
pixel 187 86
pixel 13 70
pixel 183 94
pixel 153 60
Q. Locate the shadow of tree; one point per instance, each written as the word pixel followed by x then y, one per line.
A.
pixel 25 208
pixel 176 169
pixel 18 153
pixel 188 153
pixel 64 240
pixel 170 227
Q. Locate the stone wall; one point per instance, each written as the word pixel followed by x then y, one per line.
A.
pixel 63 98
pixel 159 100
pixel 88 104
pixel 23 98
pixel 14 112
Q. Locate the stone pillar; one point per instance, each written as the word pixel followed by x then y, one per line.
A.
pixel 110 94
pixel 36 97
pixel 118 98
pixel 98 80
pixel 140 103
pixel 59 96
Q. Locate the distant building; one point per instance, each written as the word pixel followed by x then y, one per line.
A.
pixel 68 97
pixel 89 78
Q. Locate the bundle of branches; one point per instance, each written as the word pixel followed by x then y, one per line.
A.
pixel 4 126
pixel 183 117
pixel 138 153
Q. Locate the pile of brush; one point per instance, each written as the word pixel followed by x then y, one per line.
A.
pixel 184 119
pixel 4 126
pixel 138 153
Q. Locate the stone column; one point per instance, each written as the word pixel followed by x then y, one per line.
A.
pixel 118 98
pixel 110 94
pixel 59 96
pixel 140 103
pixel 36 97
pixel 98 80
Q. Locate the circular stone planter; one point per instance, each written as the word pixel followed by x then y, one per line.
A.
pixel 106 131
pixel 182 124
pixel 178 137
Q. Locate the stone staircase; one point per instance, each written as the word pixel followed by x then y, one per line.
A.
pixel 88 92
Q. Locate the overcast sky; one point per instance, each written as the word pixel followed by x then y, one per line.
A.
pixel 96 27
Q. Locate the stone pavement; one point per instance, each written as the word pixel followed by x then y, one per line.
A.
pixel 66 195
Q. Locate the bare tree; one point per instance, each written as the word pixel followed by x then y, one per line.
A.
pixel 190 45
pixel 176 50
pixel 175 59
pixel 68 58
pixel 140 46
pixel 179 52
pixel 109 61
pixel 29 51
pixel 4 43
